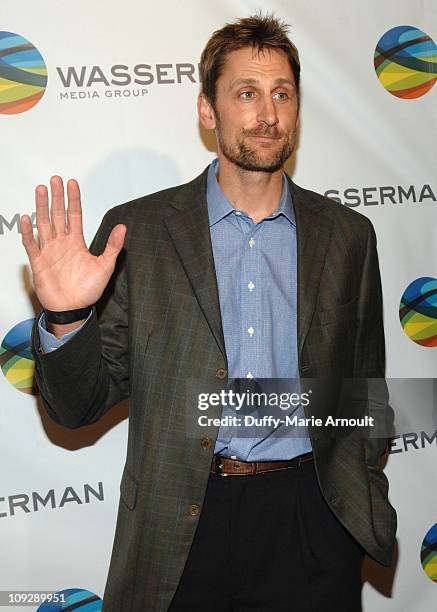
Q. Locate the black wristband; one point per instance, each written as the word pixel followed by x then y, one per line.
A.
pixel 67 316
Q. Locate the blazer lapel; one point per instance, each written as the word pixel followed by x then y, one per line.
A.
pixel 314 230
pixel 188 226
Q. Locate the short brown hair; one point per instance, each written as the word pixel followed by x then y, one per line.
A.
pixel 257 31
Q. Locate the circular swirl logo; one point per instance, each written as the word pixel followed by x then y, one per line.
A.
pixel 418 311
pixel 73 599
pixel 16 359
pixel 428 554
pixel 406 62
pixel 23 74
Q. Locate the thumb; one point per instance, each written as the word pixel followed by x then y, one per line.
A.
pixel 114 243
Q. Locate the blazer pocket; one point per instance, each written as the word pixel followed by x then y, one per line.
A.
pixel 128 489
pixel 340 312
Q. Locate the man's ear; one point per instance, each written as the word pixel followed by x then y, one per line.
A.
pixel 206 112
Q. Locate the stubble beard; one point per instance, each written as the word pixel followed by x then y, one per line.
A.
pixel 243 156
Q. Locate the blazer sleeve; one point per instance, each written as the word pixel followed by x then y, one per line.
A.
pixel 369 353
pixel 87 375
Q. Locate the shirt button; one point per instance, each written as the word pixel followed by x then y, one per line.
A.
pixel 251 286
pixel 206 442
pixel 221 373
pixel 251 242
pixel 237 212
pixel 250 331
pixel 193 510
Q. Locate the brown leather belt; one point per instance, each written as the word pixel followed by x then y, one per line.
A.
pixel 224 466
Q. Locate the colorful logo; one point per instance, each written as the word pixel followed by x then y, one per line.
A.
pixel 16 359
pixel 418 311
pixel 23 74
pixel 73 599
pixel 406 62
pixel 428 554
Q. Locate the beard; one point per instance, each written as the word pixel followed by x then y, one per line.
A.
pixel 242 155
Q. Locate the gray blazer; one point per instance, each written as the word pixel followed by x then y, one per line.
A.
pixel 158 327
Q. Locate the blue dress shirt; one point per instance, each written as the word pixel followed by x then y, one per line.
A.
pixel 256 267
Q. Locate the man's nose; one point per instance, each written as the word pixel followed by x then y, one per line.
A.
pixel 267 111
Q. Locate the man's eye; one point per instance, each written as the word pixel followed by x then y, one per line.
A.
pixel 281 95
pixel 246 95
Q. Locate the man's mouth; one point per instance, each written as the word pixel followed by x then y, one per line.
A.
pixel 263 138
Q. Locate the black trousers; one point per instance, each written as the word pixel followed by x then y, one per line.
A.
pixel 270 543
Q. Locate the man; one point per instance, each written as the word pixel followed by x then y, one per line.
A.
pixel 239 274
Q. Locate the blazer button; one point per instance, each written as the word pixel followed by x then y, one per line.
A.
pixel 206 442
pixel 193 510
pixel 221 373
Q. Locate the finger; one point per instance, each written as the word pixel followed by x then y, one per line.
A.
pixel 42 214
pixel 114 244
pixel 57 209
pixel 74 208
pixel 27 238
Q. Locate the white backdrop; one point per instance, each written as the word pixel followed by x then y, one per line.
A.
pixel 354 134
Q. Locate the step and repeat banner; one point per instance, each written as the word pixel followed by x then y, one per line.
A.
pixel 106 93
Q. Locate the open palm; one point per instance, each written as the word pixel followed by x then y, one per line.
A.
pixel 66 275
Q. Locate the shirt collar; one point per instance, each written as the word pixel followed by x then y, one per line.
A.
pixel 219 206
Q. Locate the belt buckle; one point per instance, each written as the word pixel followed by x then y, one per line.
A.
pixel 219 469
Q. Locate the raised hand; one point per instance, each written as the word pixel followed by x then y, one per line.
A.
pixel 66 275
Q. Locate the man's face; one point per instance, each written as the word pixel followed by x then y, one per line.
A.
pixel 256 109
